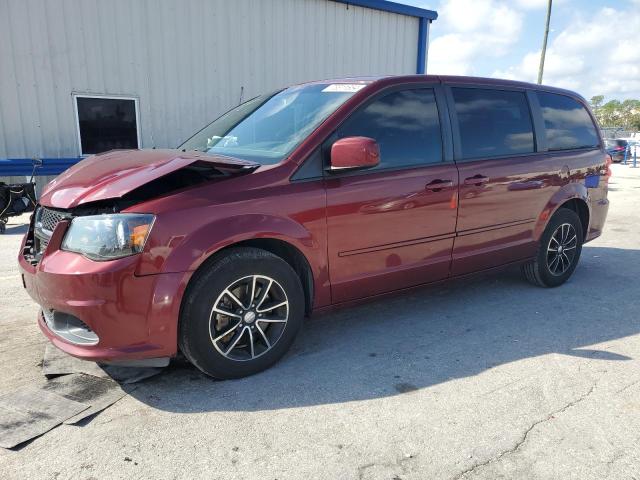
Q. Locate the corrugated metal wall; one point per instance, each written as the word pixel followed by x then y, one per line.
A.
pixel 185 60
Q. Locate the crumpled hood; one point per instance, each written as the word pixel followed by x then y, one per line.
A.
pixel 115 173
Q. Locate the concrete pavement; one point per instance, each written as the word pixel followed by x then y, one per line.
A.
pixel 487 377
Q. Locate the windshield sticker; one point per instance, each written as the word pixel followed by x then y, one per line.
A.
pixel 344 87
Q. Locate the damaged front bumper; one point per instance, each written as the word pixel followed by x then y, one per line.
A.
pixel 102 311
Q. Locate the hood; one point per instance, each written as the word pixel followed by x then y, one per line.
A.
pixel 116 173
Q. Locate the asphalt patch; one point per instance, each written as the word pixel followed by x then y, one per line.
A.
pixel 75 390
pixel 99 393
pixel 31 411
pixel 55 363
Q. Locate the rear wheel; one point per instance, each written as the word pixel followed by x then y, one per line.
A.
pixel 559 251
pixel 242 314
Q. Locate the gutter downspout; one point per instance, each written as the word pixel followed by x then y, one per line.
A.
pixel 423 45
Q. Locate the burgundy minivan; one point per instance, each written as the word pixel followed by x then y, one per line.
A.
pixel 305 198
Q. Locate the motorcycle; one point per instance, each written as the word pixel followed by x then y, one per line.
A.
pixel 17 198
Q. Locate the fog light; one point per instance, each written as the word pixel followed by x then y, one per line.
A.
pixel 69 327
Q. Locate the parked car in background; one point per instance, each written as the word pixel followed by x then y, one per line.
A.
pixel 311 197
pixel 616 148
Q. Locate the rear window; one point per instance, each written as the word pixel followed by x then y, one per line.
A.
pixel 567 123
pixel 493 123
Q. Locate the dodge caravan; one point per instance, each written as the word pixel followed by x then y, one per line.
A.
pixel 305 198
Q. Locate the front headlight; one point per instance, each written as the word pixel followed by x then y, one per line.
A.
pixel 105 237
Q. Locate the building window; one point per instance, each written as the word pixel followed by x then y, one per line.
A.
pixel 105 123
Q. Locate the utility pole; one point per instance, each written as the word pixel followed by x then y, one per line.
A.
pixel 544 43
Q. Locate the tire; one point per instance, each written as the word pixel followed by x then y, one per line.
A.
pixel 209 339
pixel 545 270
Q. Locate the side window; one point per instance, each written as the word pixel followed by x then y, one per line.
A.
pixel 567 123
pixel 493 123
pixel 405 124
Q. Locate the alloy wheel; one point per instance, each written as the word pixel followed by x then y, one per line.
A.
pixel 248 317
pixel 561 250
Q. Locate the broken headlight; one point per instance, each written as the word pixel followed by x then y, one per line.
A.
pixel 105 237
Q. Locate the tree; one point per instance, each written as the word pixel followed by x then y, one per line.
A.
pixel 630 110
pixel 596 101
pixel 614 113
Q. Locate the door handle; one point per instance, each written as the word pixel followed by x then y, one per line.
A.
pixel 476 180
pixel 438 185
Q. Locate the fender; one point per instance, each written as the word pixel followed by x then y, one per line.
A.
pixel 215 236
pixel 186 253
pixel 570 191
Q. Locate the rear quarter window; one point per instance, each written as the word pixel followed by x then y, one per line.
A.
pixel 567 123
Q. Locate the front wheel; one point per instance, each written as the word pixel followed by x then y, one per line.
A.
pixel 559 251
pixel 242 314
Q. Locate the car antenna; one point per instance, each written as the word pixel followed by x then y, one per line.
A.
pixel 241 94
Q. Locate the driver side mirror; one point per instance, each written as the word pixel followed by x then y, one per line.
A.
pixel 352 153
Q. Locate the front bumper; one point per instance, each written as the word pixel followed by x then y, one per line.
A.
pixel 133 317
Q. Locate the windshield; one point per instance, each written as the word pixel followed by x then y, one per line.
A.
pixel 266 129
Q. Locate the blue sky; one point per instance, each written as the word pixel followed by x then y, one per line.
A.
pixel 502 38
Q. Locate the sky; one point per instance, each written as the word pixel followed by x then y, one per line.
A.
pixel 593 46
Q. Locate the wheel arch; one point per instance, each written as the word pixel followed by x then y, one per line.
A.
pixel 574 197
pixel 279 247
pixel 581 207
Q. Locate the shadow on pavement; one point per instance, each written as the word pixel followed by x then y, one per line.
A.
pixel 427 337
pixel 16 229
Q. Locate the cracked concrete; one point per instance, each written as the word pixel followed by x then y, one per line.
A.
pixel 522 440
pixel 485 378
pixel 392 470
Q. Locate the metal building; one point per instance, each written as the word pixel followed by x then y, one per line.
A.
pixel 82 76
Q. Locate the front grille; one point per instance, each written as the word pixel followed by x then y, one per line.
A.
pixel 46 220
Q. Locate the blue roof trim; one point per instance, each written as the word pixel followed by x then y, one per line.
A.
pixel 393 7
pixel 15 167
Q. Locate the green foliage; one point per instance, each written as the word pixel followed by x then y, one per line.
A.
pixel 615 113
pixel 596 101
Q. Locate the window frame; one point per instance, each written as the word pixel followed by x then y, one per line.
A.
pixel 455 125
pixel 445 132
pixel 76 95
pixel 594 123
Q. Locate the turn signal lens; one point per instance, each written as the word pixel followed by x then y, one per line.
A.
pixel 139 235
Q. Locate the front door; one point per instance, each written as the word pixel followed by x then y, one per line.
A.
pixel 393 226
pixel 503 183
